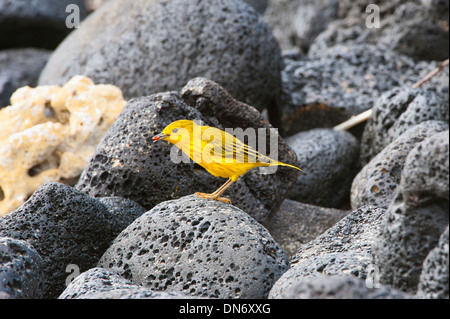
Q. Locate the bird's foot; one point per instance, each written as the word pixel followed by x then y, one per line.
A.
pixel 209 196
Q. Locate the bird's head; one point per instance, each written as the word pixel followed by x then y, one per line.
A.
pixel 175 131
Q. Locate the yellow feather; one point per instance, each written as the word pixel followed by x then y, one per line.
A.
pixel 219 152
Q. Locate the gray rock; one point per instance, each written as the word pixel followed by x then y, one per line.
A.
pixel 258 5
pixel 295 24
pixel 35 23
pixel 406 27
pixel 65 227
pixel 99 283
pixel 5 295
pixel 336 287
pixel 434 278
pixel 353 264
pixel 415 32
pixel 128 164
pixel 20 270
pixel 438 7
pixel 19 67
pixel 377 182
pixel 417 216
pixel 339 32
pixel 344 249
pixel 297 223
pixel 198 247
pixel 326 87
pixel 396 111
pixel 352 10
pixel 124 211
pixel 425 175
pixel 354 233
pixel 94 281
pixel 152 46
pixel 329 160
pixel 137 292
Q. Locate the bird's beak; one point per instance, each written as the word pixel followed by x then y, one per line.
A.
pixel 159 137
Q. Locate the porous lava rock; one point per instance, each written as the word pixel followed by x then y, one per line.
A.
pixel 198 247
pixel 129 164
pixel 153 46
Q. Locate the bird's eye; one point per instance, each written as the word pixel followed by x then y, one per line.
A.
pixel 175 130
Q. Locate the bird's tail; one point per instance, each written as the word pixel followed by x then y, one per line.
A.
pixel 275 163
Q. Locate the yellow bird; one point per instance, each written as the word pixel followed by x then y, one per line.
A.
pixel 219 152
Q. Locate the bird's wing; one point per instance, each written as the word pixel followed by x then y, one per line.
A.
pixel 222 145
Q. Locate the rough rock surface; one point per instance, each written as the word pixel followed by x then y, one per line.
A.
pixel 417 216
pixel 353 233
pixel 297 223
pixel 324 88
pixel 129 164
pixel 336 287
pixel 159 46
pixel 295 24
pixel 99 283
pixel 418 29
pixel 344 249
pixel 39 24
pixel 124 211
pixel 19 67
pixel 396 111
pixel 49 134
pixel 329 160
pixel 434 278
pixel 198 247
pixel 378 181
pixel 259 5
pixel 65 227
pixel 20 269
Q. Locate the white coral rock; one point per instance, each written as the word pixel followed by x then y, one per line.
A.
pixel 49 133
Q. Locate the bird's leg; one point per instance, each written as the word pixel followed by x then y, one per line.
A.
pixel 218 192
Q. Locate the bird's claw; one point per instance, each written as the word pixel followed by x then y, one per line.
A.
pixel 208 196
pixel 224 199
